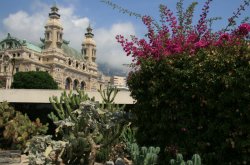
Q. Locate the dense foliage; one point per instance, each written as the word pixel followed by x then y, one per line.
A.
pixel 33 80
pixel 192 86
pixel 195 104
pixel 16 129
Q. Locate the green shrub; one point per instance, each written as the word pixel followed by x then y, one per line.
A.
pixel 33 80
pixel 195 104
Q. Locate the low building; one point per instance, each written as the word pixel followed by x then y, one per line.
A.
pixel 70 68
pixel 119 82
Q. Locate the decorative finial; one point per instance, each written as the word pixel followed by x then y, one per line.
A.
pixel 89 33
pixel 55 3
pixel 89 29
pixel 8 36
pixel 54 11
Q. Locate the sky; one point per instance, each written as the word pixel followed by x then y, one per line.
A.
pixel 25 19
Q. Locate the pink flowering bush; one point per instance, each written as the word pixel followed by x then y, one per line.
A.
pixel 181 38
pixel 191 85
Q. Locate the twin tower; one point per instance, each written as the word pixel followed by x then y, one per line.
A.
pixel 54 37
pixel 70 68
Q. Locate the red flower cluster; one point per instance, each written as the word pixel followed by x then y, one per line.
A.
pixel 165 42
pixel 243 29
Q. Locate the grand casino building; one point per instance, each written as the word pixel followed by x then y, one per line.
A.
pixel 70 68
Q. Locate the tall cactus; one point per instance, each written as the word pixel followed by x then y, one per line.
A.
pixel 108 96
pixel 196 160
pixel 66 104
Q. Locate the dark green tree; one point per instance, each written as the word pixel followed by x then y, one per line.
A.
pixel 197 104
pixel 33 80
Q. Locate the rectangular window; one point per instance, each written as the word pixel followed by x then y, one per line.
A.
pixel 17 69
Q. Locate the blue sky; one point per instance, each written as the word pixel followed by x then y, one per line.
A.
pixel 25 19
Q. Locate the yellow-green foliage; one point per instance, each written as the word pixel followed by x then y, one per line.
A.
pixel 16 128
pixel 6 113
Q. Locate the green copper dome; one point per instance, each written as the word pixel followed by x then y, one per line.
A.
pixel 33 47
pixel 13 43
pixel 71 52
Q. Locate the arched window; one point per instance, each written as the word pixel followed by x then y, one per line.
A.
pixel 85 51
pixel 68 83
pixel 83 85
pixel 48 35
pixel 75 84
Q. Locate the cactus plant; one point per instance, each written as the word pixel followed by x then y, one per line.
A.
pixel 108 96
pixel 140 155
pixel 66 104
pixel 144 155
pixel 196 160
pixel 43 150
pixel 85 125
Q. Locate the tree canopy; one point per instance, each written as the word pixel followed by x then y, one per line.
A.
pixel 33 80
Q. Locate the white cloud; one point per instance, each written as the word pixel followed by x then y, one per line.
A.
pixel 25 26
pixel 109 50
pixel 80 23
pixel 30 26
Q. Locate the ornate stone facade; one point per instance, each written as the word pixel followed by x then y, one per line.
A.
pixel 70 68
